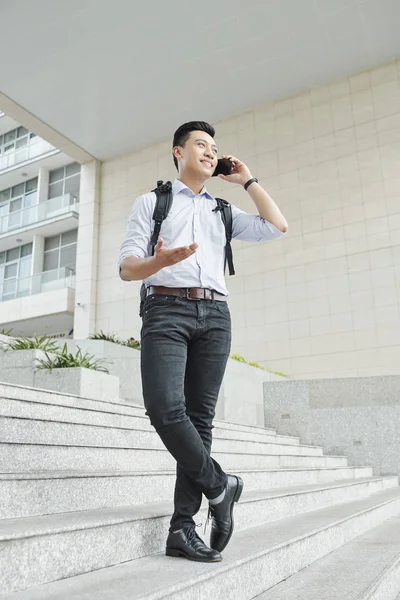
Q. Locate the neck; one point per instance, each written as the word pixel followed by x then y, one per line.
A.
pixel 193 182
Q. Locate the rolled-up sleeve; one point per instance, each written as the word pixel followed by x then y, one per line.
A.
pixel 138 231
pixel 253 228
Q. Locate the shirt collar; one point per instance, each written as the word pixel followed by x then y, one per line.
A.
pixel 179 186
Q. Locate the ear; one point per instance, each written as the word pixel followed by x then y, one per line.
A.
pixel 177 152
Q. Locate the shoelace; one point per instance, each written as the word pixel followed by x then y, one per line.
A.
pixel 192 533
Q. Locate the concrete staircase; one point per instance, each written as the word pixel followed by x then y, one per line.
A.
pixel 86 496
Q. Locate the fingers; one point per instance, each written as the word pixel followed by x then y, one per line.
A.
pixel 159 244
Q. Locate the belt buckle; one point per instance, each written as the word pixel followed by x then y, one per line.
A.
pixel 189 297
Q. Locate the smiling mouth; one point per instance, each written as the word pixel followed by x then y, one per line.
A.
pixel 207 162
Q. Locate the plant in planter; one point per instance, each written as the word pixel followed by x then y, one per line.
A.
pixel 35 343
pixel 6 332
pixel 111 337
pixel 65 360
pixel 240 358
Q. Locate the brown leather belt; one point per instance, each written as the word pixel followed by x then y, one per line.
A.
pixel 188 293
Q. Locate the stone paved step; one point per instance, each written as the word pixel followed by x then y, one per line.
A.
pixel 83 416
pixel 257 559
pixel 41 493
pixel 110 410
pixel 35 431
pixel 45 457
pixel 367 568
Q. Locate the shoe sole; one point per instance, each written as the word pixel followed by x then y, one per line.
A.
pixel 179 554
pixel 236 498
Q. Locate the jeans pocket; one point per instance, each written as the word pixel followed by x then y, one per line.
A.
pixel 156 301
pixel 223 308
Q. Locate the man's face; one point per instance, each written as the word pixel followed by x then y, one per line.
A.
pixel 199 155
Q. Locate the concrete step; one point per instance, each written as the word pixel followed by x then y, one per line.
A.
pixel 29 494
pixel 367 568
pixel 88 409
pixel 52 412
pixel 45 457
pixel 34 431
pixel 257 558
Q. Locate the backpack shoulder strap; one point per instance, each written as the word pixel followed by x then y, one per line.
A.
pixel 164 198
pixel 225 209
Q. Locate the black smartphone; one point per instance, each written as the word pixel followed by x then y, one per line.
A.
pixel 224 167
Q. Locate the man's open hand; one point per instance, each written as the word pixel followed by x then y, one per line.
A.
pixel 167 257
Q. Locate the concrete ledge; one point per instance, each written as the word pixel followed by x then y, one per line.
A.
pixel 18 366
pixel 122 362
pixel 241 396
pixel 358 417
pixel 85 383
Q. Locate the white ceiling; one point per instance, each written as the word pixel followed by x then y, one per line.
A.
pixel 114 76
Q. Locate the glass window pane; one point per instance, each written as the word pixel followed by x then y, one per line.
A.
pixel 5 195
pixel 9 287
pixel 2 257
pixel 12 254
pixel 52 242
pixel 72 169
pixel 21 131
pixel 21 142
pixel 68 257
pixel 15 205
pixel 10 271
pixel 56 189
pixel 26 250
pixel 72 185
pixel 18 190
pixel 9 148
pixel 30 200
pixel 25 267
pixel 31 185
pixel 10 136
pixel 69 237
pixel 50 260
pixel 56 175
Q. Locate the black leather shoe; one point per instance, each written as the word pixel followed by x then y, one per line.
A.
pixel 222 514
pixel 187 544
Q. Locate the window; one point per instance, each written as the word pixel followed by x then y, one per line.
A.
pixel 15 139
pixel 65 180
pixel 14 200
pixel 15 264
pixel 60 251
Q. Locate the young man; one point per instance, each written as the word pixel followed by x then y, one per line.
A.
pixel 186 333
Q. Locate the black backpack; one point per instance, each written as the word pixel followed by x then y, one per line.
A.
pixel 164 201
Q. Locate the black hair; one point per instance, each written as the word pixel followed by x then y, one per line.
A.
pixel 183 132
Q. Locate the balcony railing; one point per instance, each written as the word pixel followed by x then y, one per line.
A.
pixel 39 212
pixel 35 147
pixel 47 281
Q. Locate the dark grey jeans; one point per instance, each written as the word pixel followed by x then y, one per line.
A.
pixel 185 348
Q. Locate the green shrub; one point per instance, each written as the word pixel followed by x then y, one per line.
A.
pixel 65 360
pixel 37 343
pixel 6 331
pixel 111 337
pixel 241 359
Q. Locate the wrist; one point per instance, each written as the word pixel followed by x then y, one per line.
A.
pixel 244 180
pixel 156 262
pixel 249 182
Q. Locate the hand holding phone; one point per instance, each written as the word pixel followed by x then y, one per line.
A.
pixel 224 167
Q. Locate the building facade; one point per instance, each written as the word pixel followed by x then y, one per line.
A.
pixel 39 216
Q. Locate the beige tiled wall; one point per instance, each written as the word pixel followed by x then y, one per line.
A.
pixel 324 301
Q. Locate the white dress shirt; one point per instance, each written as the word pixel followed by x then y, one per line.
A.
pixel 191 219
